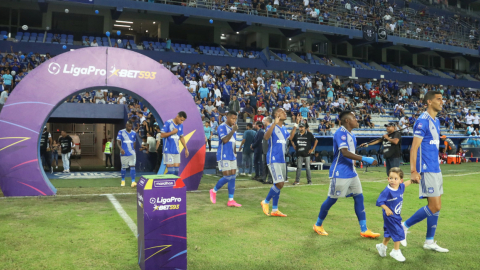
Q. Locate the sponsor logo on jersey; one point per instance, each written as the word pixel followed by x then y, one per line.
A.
pixel 398 208
pixel 424 166
pixel 392 199
pixel 437 142
pixel 281 141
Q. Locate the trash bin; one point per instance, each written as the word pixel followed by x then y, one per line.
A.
pixel 162 222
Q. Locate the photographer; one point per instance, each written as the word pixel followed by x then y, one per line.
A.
pixel 302 143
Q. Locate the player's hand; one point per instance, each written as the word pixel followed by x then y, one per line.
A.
pixel 235 127
pixel 369 160
pixel 277 120
pixel 122 152
pixel 388 212
pixel 415 177
pixel 186 153
pixel 174 131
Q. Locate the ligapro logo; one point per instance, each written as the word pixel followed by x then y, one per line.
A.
pixel 55 68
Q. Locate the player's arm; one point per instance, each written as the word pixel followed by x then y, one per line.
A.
pixel 350 155
pixel 168 134
pixel 387 210
pixel 241 144
pixel 119 144
pixel 182 140
pixel 417 141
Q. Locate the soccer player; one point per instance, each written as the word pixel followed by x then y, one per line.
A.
pixel 227 158
pixel 425 168
pixel 126 141
pixel 277 136
pixel 344 181
pixel 172 132
pixel 391 200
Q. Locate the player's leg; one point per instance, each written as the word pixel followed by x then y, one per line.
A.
pixel 355 189
pixel 231 184
pixel 168 160
pixel 131 164
pixel 275 189
pixel 176 164
pixel 334 192
pixel 281 170
pixel 223 166
pixel 123 171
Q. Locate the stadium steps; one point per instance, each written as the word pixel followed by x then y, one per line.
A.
pixel 441 74
pixel 378 67
pixel 338 62
pixel 297 58
pixel 469 78
pixel 411 70
pixel 362 65
pixel 275 56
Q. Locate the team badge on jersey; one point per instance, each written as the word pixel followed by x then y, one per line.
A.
pixel 225 164
pixel 279 177
pixel 344 137
pixel 339 192
pixel 430 190
pixel 419 125
pixel 170 160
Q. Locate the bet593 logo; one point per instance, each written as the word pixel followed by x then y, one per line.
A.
pixel 134 74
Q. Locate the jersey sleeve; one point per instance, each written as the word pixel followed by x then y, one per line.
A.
pixel 165 128
pixel 420 129
pixel 180 130
pixel 222 131
pixel 119 136
pixel 382 199
pixel 341 139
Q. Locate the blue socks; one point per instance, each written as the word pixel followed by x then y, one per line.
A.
pixel 326 205
pixel 275 201
pixel 432 225
pixel 432 220
pixel 420 215
pixel 221 183
pixel 132 173
pixel 123 172
pixel 360 211
pixel 273 191
pixel 170 170
pixel 175 171
pixel 231 187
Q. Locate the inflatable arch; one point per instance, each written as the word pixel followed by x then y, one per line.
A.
pixel 34 99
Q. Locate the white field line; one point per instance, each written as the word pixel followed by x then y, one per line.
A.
pixel 205 190
pixel 123 214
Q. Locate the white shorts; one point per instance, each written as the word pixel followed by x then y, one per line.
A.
pixel 342 187
pixel 227 165
pixel 170 159
pixel 431 185
pixel 128 161
pixel 278 172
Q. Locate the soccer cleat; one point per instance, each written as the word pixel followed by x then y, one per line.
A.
pixel 382 249
pixel 405 230
pixel 434 247
pixel 213 196
pixel 277 214
pixel 123 183
pixel 296 183
pixel 134 184
pixel 265 207
pixel 397 255
pixel 368 233
pixel 319 230
pixel 233 204
pixel 242 174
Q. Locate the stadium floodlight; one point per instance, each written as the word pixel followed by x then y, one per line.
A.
pixel 124 22
pixel 121 25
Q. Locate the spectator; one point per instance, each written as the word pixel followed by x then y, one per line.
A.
pixel 3 98
pixel 247 154
pixel 152 150
pixel 87 98
pixel 257 148
pixel 121 99
pixel 168 45
pixel 66 143
pixel 94 43
pixel 234 105
pixel 248 112
pixel 45 149
pixel 7 81
pixel 86 42
pixel 99 97
pixel 304 144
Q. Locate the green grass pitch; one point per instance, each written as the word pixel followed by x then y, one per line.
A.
pixel 80 230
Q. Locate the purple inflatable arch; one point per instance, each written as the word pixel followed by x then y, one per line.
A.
pixel 33 100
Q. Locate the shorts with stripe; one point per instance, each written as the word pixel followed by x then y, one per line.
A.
pixel 227 165
pixel 431 185
pixel 278 172
pixel 170 159
pixel 392 227
pixel 128 161
pixel 342 187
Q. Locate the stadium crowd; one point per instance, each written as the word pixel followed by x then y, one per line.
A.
pixel 255 93
pixel 396 19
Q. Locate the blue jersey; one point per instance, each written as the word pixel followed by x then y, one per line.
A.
pixel 428 129
pixel 226 151
pixel 343 167
pixel 277 145
pixel 127 139
pixel 170 144
pixel 393 199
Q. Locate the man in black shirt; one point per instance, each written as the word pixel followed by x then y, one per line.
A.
pixel 302 143
pixel 66 145
pixel 391 146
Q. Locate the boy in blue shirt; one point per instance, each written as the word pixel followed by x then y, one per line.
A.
pixel 391 201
